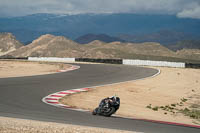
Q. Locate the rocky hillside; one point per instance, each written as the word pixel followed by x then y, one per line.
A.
pixel 8 43
pixel 193 54
pixel 185 44
pixel 49 45
pixel 128 50
pixel 58 46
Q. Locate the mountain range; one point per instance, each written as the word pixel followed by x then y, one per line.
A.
pixel 164 29
pixel 59 46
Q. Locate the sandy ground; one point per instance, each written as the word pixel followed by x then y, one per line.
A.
pixel 172 85
pixel 11 125
pixel 19 68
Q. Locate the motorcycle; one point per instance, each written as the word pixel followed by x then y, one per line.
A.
pixel 107 107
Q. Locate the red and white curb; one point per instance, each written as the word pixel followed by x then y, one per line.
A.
pixel 53 99
pixel 73 67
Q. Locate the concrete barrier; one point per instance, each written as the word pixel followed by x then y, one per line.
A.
pixel 51 59
pixel 153 63
pixel 113 61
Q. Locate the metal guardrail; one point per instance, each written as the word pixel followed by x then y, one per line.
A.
pixel 109 61
pixel 14 58
pixel 192 65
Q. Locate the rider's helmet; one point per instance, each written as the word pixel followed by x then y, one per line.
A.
pixel 114 98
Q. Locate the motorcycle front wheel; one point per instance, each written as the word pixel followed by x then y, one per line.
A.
pixel 94 112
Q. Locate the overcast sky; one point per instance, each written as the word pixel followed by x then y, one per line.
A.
pixel 181 8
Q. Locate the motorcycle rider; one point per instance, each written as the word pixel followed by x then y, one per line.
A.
pixel 106 102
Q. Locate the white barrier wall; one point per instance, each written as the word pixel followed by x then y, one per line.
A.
pixel 153 63
pixel 124 61
pixel 51 59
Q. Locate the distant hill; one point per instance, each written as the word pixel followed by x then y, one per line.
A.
pixel 59 46
pixel 142 27
pixel 166 37
pixel 193 54
pixel 126 50
pixel 101 37
pixel 8 43
pixel 185 44
pixel 50 46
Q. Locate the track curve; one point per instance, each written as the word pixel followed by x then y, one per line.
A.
pixel 21 97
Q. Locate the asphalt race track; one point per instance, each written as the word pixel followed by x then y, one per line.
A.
pixel 21 98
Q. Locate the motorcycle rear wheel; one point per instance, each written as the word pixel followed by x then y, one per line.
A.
pixel 111 111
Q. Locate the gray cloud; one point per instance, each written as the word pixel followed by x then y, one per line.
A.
pixel 192 11
pixel 181 8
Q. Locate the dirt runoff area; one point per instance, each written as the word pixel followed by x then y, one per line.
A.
pixel 173 96
pixel 25 68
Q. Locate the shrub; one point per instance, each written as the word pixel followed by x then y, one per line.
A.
pixel 155 108
pixel 174 105
pixel 183 100
pixel 148 106
pixel 195 114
